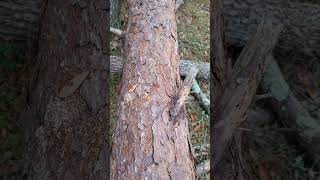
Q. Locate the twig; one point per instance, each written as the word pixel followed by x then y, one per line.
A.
pixel 117 32
pixel 201 97
pixel 183 93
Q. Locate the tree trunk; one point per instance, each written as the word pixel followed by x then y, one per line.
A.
pixel 147 144
pixel 19 19
pixel 67 122
pixel 301 23
pixel 116 65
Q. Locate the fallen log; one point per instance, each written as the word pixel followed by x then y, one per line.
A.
pixel 295 115
pixel 116 64
pixel 301 23
pixel 201 97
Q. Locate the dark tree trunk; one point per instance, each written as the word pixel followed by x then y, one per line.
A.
pixel 19 19
pixel 147 144
pixel 301 23
pixel 234 89
pixel 67 120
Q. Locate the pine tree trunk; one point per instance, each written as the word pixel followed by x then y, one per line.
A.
pixel 146 142
pixel 67 122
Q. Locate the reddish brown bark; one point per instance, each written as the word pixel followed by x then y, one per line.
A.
pixel 67 122
pixel 146 143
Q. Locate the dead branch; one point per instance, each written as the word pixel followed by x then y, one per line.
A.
pixel 117 32
pixel 183 93
pixel 201 97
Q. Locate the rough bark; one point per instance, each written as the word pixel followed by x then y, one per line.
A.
pixel 67 120
pixel 116 65
pixel 19 19
pixel 238 91
pixel 146 144
pixel 301 23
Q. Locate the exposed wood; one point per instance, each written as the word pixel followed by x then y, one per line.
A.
pixel 301 23
pixel 116 31
pixel 67 121
pixel 201 97
pixel 239 92
pixel 146 144
pixel 182 94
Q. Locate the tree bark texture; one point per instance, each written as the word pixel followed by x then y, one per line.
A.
pixel 238 91
pixel 146 144
pixel 19 19
pixel 116 65
pixel 67 120
pixel 301 23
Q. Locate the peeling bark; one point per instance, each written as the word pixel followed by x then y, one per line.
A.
pixel 67 120
pixel 146 143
